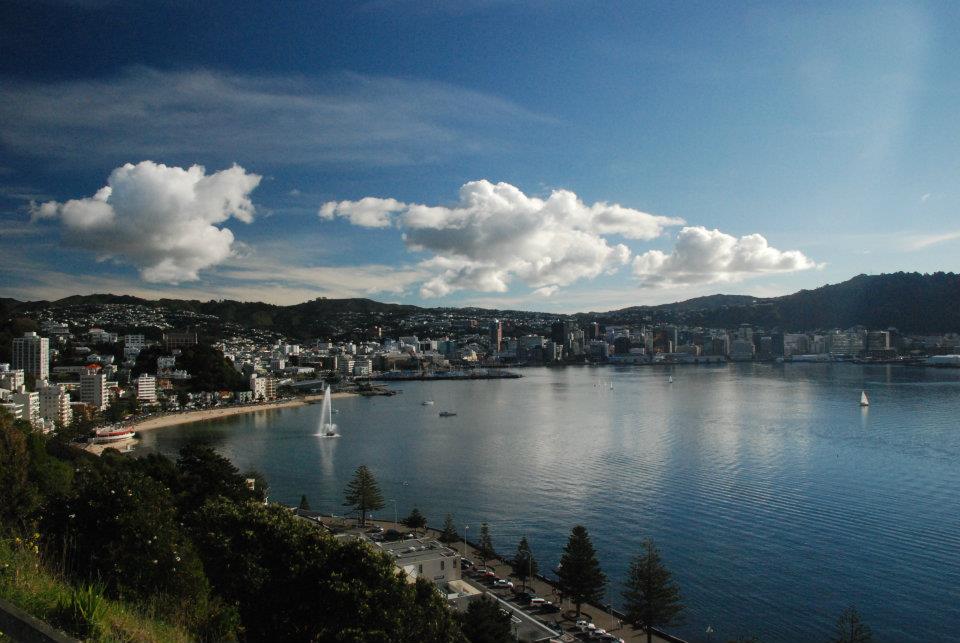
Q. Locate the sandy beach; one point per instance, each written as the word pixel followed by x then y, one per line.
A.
pixel 189 417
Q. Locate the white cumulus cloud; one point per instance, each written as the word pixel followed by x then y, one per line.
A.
pixel 163 220
pixel 703 256
pixel 369 212
pixel 496 234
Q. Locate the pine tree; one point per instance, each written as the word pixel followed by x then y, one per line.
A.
pixel 304 503
pixel 524 564
pixel 363 493
pixel 580 576
pixel 850 629
pixel 651 597
pixel 485 545
pixel 449 533
pixel 415 520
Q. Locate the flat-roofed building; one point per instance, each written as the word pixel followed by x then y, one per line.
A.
pixel 180 339
pixel 55 404
pixel 93 390
pixel 32 354
pixel 146 388
pixel 30 401
pixel 425 558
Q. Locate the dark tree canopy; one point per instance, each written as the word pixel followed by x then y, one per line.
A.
pixel 523 563
pixel 484 622
pixel 363 493
pixel 449 532
pixel 415 520
pixel 651 597
pixel 485 544
pixel 581 579
pixel 851 629
pixel 304 503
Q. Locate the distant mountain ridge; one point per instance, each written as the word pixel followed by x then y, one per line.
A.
pixel 912 302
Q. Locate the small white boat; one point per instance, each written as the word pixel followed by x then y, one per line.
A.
pixel 427 402
pixel 863 399
pixel 104 436
pixel 670 380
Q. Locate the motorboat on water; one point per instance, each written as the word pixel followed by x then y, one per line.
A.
pixel 447 414
pixel 427 402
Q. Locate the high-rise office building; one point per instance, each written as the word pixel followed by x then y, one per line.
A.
pixel 32 353
pixel 496 335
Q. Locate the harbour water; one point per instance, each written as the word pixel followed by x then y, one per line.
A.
pixel 774 498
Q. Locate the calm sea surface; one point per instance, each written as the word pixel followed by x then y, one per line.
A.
pixel 775 500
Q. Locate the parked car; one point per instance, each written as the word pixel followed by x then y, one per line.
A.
pixel 550 608
pixel 537 601
pixel 489 574
pixel 503 582
pixel 465 563
pixel 583 624
pixel 375 530
pixel 524 598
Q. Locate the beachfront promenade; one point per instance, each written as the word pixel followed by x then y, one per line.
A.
pixel 563 621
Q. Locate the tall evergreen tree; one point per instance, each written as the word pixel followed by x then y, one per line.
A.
pixel 449 533
pixel 485 545
pixel 850 629
pixel 523 563
pixel 651 597
pixel 581 579
pixel 415 520
pixel 363 494
pixel 304 503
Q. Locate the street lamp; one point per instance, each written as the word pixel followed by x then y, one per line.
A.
pixel 465 528
pixel 396 521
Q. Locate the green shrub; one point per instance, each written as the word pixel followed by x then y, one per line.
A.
pixel 83 609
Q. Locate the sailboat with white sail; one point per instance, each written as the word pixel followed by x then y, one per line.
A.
pixel 863 399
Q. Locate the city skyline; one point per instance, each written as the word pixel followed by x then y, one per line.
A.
pixel 545 157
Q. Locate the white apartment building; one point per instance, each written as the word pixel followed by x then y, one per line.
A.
pixel 146 388
pixel 32 354
pixel 363 367
pixel 30 401
pixel 12 379
pixel 134 341
pixel 258 387
pixel 270 386
pixel 55 404
pixel 93 390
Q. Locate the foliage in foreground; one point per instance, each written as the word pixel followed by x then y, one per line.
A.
pixel 185 551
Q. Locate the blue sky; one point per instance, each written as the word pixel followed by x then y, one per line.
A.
pixel 574 155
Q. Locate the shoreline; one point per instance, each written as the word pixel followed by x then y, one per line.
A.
pixel 201 415
pixel 204 415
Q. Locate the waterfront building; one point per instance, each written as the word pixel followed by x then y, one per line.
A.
pixel 270 387
pixel 258 387
pixel 424 558
pixel 32 354
pixel 146 388
pixel 741 350
pixel 93 390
